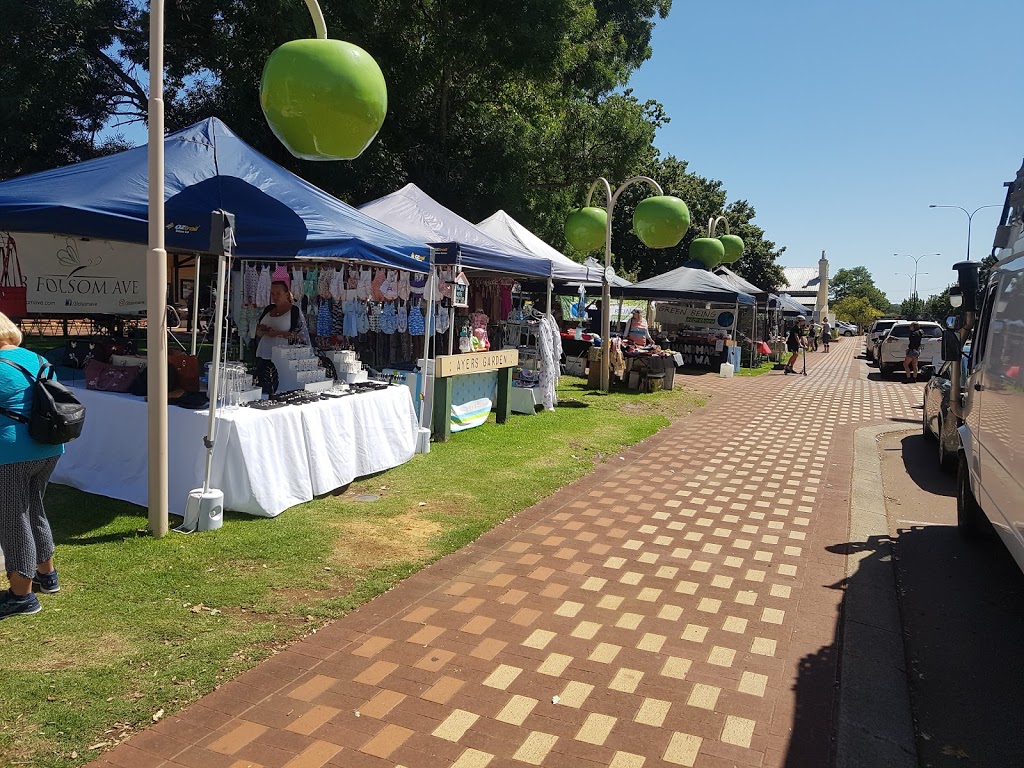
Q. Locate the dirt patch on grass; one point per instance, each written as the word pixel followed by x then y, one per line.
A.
pixel 62 652
pixel 365 544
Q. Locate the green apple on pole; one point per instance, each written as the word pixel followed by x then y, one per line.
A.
pixel 323 99
pixel 661 221
pixel 585 228
pixel 733 248
pixel 709 251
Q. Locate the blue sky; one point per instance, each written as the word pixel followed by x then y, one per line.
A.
pixel 842 122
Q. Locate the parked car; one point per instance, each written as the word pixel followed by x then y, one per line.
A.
pixel 875 332
pixel 937 422
pixel 844 328
pixel 892 349
pixel 990 473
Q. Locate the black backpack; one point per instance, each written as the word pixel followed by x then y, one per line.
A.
pixel 56 417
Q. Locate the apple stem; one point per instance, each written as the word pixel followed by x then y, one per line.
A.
pixel 713 225
pixel 318 19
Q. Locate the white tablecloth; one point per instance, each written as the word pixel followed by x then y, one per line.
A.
pixel 264 461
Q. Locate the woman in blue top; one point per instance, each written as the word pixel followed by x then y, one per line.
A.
pixel 25 468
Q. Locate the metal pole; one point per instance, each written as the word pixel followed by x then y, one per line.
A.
pixel 606 287
pixel 195 307
pixel 428 331
pixel 214 388
pixel 156 283
pixel 551 287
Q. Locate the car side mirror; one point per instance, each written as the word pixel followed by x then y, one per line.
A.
pixel 951 350
pixel 954 322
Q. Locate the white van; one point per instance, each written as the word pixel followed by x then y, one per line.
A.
pixel 991 462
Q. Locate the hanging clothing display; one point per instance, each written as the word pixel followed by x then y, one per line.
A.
pixel 549 340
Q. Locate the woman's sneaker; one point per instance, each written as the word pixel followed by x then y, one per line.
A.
pixel 46 582
pixel 18 605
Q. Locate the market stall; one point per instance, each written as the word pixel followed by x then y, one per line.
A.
pixel 697 314
pixel 278 217
pixel 482 307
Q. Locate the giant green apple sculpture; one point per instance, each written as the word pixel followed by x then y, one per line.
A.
pixel 585 228
pixel 661 221
pixel 324 99
pixel 733 248
pixel 709 251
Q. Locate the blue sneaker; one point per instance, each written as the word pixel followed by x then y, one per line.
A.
pixel 46 582
pixel 15 605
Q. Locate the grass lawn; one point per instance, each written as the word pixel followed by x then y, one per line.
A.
pixel 763 368
pixel 143 626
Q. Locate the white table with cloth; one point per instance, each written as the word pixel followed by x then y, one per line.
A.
pixel 263 461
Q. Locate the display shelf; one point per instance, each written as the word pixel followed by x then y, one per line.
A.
pixel 297 368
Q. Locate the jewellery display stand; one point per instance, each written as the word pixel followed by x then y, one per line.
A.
pixel 347 366
pixel 299 368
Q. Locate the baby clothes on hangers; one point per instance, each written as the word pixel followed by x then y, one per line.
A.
pixel 417 286
pixel 379 276
pixel 362 319
pixel 323 287
pixel 388 319
pixel 263 287
pixel 389 288
pixel 442 320
pixel 417 323
pixel 323 317
pixel 402 318
pixel 296 286
pixel 374 317
pixel 350 327
pixel 337 317
pixel 364 287
pixel 403 286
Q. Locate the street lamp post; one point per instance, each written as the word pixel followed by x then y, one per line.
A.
pixel 970 215
pixel 606 289
pixel 913 277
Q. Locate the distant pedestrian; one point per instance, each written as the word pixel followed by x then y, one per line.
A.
pixel 25 467
pixel 815 336
pixel 794 343
pixel 913 351
pixel 826 334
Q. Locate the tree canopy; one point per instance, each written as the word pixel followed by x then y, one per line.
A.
pixel 506 106
pixel 857 310
pixel 857 282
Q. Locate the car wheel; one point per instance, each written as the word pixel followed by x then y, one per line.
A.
pixel 947 460
pixel 847 333
pixel 970 520
pixel 885 370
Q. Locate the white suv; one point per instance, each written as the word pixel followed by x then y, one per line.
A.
pixel 892 350
pixel 875 332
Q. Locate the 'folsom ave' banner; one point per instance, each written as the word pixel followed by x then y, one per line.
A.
pixel 69 275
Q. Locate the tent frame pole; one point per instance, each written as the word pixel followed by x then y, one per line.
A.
pixel 195 307
pixel 156 285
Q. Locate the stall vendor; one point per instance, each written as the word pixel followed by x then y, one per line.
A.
pixel 637 332
pixel 279 325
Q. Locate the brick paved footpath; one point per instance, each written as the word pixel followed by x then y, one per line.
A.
pixel 675 603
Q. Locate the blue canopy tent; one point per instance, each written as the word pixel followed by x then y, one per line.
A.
pixel 454 239
pixel 279 215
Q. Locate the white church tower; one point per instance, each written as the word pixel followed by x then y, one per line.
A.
pixel 821 303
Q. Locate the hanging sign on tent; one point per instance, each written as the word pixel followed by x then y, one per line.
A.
pixel 699 317
pixel 75 276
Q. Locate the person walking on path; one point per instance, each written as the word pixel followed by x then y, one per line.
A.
pixel 794 343
pixel 826 334
pixel 913 352
pixel 25 469
pixel 815 335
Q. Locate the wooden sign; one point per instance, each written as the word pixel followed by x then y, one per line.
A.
pixel 475 362
pixel 460 291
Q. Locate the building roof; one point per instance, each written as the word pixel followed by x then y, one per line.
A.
pixel 800 279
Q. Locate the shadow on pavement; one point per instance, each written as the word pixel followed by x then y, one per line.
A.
pixel 964 629
pixel 921 460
